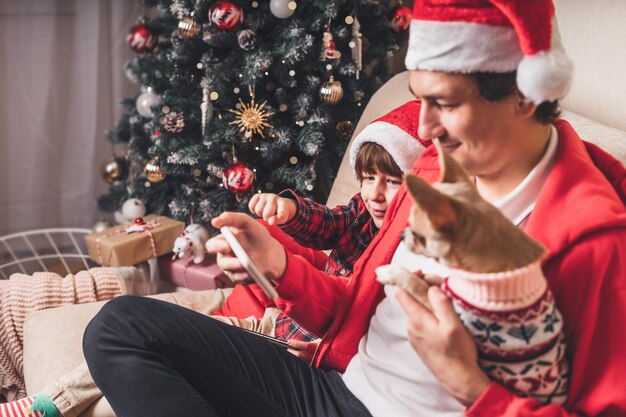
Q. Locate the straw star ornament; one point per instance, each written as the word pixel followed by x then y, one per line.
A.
pixel 251 118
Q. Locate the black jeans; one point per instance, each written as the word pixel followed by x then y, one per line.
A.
pixel 152 358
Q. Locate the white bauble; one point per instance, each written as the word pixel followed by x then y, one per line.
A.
pixel 280 8
pixel 133 208
pixel 120 218
pixel 146 101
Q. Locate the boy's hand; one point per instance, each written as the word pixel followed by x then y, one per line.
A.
pixel 272 208
pixel 303 350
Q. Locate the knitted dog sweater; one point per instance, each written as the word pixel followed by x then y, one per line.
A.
pixel 517 327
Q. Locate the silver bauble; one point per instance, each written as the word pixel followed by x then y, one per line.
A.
pixel 146 101
pixel 281 9
pixel 100 226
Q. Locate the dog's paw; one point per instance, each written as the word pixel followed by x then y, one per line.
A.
pixel 413 283
pixel 392 274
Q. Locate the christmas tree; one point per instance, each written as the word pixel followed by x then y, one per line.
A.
pixel 244 97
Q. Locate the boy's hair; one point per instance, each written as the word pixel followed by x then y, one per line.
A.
pixel 496 86
pixel 372 158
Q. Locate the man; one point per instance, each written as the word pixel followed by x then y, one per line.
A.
pixel 397 359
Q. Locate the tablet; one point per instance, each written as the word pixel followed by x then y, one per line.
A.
pixel 248 265
pixel 274 340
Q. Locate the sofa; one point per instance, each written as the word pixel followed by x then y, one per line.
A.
pixel 52 338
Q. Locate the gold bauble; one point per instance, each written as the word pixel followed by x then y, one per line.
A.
pixel 331 92
pixel 114 169
pixel 188 28
pixel 153 171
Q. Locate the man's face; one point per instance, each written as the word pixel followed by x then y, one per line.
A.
pixel 377 191
pixel 476 132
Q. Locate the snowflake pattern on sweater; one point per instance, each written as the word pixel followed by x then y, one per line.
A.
pixel 523 348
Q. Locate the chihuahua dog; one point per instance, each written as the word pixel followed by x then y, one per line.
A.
pixel 495 281
pixel 454 224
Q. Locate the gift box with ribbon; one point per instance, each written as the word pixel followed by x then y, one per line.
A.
pixel 186 274
pixel 131 243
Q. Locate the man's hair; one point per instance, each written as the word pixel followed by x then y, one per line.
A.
pixel 372 158
pixel 496 86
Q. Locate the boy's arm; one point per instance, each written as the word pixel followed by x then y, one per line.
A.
pixel 320 227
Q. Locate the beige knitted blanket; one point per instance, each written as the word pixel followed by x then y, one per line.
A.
pixel 23 293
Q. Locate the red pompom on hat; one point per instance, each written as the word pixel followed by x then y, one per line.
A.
pixel 397 133
pixel 468 36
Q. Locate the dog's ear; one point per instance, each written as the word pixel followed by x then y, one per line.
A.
pixel 451 171
pixel 438 206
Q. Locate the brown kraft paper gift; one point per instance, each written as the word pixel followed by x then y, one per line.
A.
pixel 116 247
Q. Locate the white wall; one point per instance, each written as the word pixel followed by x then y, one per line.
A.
pixel 594 35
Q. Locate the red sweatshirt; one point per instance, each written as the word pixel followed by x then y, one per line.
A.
pixel 579 216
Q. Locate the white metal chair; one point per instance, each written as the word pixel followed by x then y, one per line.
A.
pixel 60 250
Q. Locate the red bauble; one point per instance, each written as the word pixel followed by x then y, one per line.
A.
pixel 400 18
pixel 139 221
pixel 238 177
pixel 225 15
pixel 141 39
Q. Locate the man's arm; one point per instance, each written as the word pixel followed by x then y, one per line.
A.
pixel 307 294
pixel 316 257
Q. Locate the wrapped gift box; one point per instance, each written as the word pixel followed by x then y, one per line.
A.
pixel 184 273
pixel 129 244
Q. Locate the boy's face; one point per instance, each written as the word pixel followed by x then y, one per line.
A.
pixel 377 191
pixel 478 133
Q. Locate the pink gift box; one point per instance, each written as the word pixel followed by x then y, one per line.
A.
pixel 184 273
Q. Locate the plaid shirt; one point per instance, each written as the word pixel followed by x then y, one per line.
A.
pixel 346 230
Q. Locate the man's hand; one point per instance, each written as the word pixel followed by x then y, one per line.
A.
pixel 444 345
pixel 272 208
pixel 265 251
pixel 303 350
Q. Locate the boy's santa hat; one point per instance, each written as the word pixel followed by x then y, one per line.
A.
pixel 468 36
pixel 397 133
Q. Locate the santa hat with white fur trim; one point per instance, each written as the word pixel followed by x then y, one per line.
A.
pixel 492 36
pixel 397 133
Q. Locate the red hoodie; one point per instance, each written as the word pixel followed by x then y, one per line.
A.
pixel 579 216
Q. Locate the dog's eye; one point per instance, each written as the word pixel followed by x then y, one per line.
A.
pixel 419 239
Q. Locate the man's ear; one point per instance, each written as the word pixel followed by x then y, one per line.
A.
pixel 451 171
pixel 525 107
pixel 438 206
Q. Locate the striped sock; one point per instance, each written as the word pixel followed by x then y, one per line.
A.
pixel 19 408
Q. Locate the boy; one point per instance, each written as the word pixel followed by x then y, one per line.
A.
pixel 379 155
